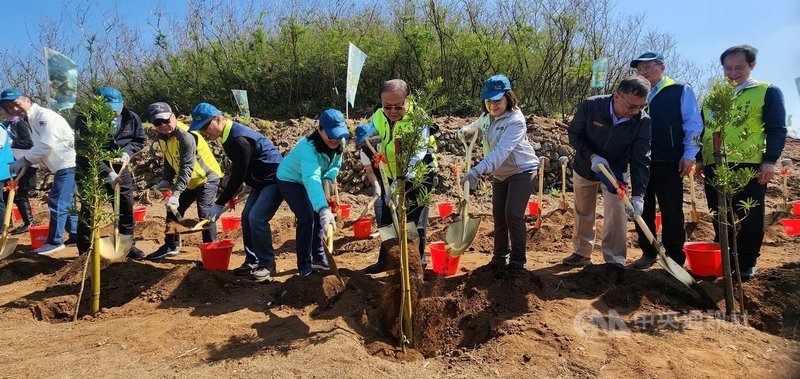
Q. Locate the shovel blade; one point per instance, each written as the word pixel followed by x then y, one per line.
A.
pixel 459 236
pixel 114 250
pixel 9 245
pixel 387 233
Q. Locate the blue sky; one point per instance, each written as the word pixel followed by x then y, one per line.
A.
pixel 703 29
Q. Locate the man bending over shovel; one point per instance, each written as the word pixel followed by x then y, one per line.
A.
pixel 190 173
pixel 254 161
pixel 610 130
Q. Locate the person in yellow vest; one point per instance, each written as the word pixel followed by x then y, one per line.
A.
pixel 190 173
pixel 767 125
pixel 393 115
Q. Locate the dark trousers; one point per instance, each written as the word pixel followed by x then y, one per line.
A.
pixel 26 183
pixel 509 201
pixel 666 188
pixel 125 212
pixel 751 228
pixel 309 233
pixel 204 195
pixel 417 213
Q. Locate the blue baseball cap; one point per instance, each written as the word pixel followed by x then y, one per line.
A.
pixel 332 121
pixel 11 94
pixel 201 114
pixel 495 87
pixel 363 132
pixel 113 97
pixel 648 56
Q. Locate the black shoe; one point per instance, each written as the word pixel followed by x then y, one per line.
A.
pixel 245 269
pixel 748 273
pixel 516 266
pixel 71 241
pixel 162 252
pixel 135 253
pixel 379 266
pixel 22 229
pixel 263 273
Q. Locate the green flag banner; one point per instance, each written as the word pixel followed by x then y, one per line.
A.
pixel 240 96
pixel 62 80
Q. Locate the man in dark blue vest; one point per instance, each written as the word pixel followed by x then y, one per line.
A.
pixel 254 162
pixel 676 123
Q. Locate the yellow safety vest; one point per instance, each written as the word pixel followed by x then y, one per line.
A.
pixel 204 158
pixel 381 124
pixel 752 99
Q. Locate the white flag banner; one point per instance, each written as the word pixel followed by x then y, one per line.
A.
pixel 355 62
pixel 62 80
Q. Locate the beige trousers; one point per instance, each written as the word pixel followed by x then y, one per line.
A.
pixel 615 221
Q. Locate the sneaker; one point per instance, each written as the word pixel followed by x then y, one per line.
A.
pixel 576 260
pixel 71 241
pixel 22 229
pixel 644 262
pixel 308 272
pixel 320 266
pixel 48 249
pixel 162 252
pixel 245 269
pixel 262 274
pixel 748 273
pixel 515 266
pixel 135 253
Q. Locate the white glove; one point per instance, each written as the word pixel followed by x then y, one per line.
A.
pixel 376 189
pixel 173 200
pixel 326 218
pixel 597 161
pixel 638 207
pixel 163 186
pixel 472 177
pixel 113 178
pixel 214 212
pixel 124 158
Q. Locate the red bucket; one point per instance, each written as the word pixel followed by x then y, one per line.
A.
pixel 791 226
pixel 703 258
pixel 658 221
pixel 796 208
pixel 362 228
pixel 445 209
pixel 139 213
pixel 443 263
pixel 38 235
pixel 533 208
pixel 231 223
pixel 345 209
pixel 217 255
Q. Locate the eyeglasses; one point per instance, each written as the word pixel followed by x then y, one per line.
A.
pixel 391 108
pixel 632 107
pixel 490 103
pixel 644 69
pixel 160 121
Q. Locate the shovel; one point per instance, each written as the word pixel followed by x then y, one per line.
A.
pixel 562 204
pixel 459 234
pixel 363 213
pixel 538 225
pixel 116 246
pixel 8 245
pixel 694 217
pixel 327 244
pixel 666 262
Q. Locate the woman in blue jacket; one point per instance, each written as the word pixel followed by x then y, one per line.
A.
pixel 314 160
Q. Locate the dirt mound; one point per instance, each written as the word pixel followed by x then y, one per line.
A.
pixel 773 301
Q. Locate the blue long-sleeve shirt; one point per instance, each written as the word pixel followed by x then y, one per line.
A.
pixel 692 119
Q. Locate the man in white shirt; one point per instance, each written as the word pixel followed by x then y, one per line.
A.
pixel 53 148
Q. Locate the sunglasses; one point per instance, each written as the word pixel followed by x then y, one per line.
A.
pixel 391 108
pixel 160 121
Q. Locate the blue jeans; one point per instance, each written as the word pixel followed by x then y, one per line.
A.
pixel 261 205
pixel 61 203
pixel 309 233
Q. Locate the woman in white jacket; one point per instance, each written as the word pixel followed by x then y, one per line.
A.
pixel 512 162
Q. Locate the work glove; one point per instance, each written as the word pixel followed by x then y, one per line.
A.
pixel 597 161
pixel 163 186
pixel 472 177
pixel 124 158
pixel 18 165
pixel 326 218
pixel 376 189
pixel 214 212
pixel 638 206
pixel 173 200
pixel 113 178
pixel 619 174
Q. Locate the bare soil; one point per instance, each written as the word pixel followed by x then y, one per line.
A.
pixel 175 318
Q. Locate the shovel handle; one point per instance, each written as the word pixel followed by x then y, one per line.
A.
pixel 328 247
pixel 626 199
pixel 692 191
pixel 542 162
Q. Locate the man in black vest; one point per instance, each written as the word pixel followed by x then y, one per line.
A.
pixel 676 123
